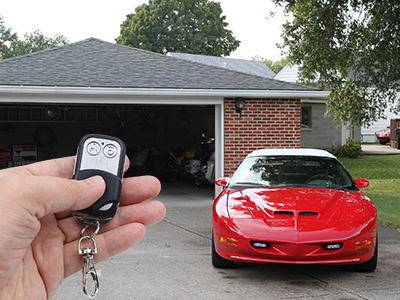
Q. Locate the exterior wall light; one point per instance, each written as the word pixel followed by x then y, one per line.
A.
pixel 239 105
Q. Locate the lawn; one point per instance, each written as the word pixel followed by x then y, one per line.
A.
pixel 383 174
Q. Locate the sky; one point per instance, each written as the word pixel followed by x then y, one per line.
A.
pixel 79 20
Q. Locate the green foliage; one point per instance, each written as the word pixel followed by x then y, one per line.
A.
pixel 35 42
pixel 382 172
pixel 6 38
pixel 348 46
pixel 350 149
pixel 275 66
pixel 187 26
pixel 11 45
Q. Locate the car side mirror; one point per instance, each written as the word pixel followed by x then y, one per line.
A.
pixel 361 183
pixel 224 181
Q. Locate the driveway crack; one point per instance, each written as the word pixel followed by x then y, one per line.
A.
pixel 336 286
pixel 188 230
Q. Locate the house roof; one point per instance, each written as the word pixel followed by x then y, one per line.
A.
pixel 252 67
pixel 96 63
pixel 291 152
pixel 288 73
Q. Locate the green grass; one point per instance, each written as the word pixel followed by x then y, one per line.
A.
pixel 383 174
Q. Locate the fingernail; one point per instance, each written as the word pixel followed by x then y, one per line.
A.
pixel 96 181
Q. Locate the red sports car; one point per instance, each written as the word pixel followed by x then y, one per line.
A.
pixel 383 136
pixel 297 206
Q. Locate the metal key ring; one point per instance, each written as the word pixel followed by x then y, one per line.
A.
pixel 94 233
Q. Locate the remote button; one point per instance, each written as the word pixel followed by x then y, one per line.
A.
pixel 110 151
pixel 106 207
pixel 93 148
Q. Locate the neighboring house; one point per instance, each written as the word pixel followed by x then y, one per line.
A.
pixel 317 131
pixel 252 67
pixel 53 97
pixel 288 73
pixel 369 133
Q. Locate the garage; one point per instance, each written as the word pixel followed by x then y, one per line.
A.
pixel 151 132
pixel 50 99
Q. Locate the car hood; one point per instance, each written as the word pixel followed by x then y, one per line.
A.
pixel 277 204
pixel 384 131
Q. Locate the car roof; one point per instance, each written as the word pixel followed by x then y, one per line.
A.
pixel 291 152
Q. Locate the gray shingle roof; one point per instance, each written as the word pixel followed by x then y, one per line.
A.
pixel 253 67
pixel 95 63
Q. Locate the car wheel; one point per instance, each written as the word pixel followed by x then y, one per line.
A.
pixel 218 261
pixel 382 142
pixel 370 265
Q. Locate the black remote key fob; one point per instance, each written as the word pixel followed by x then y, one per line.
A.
pixel 105 156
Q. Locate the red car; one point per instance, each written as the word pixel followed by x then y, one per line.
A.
pixel 297 206
pixel 383 136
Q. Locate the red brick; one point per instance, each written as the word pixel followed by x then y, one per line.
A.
pixel 265 123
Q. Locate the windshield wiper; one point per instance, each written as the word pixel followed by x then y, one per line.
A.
pixel 253 184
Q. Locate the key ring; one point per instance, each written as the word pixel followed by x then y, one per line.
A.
pixel 88 267
pixel 94 233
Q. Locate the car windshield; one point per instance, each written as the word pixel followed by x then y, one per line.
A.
pixel 293 171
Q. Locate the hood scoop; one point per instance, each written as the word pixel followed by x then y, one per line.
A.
pixel 290 214
pixel 308 213
pixel 283 213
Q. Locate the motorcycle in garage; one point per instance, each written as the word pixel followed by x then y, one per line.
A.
pixel 206 175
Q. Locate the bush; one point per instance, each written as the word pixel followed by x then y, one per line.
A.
pixel 350 149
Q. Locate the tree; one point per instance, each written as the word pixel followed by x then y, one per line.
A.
pixel 35 42
pixel 11 45
pixel 6 38
pixel 350 46
pixel 275 66
pixel 187 26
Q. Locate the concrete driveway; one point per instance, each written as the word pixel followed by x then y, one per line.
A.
pixel 377 149
pixel 173 261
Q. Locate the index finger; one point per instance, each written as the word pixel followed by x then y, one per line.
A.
pixel 59 167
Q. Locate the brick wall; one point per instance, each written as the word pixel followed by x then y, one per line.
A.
pixel 265 123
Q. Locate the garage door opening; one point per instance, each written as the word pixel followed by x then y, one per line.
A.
pixel 150 132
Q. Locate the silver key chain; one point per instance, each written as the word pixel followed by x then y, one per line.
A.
pixel 88 268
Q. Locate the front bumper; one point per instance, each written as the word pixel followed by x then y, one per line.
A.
pixel 305 246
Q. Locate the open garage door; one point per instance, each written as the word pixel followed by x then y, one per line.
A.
pixel 150 131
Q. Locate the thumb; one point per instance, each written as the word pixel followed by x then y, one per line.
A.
pixel 44 195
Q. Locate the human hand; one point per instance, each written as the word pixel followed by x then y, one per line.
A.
pixel 38 235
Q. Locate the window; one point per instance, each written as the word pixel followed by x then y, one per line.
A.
pixel 306 117
pixel 296 171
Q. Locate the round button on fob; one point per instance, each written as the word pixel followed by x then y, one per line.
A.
pixel 110 151
pixel 93 148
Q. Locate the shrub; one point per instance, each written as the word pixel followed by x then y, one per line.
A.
pixel 350 149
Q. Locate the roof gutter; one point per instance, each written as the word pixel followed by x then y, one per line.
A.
pixel 162 92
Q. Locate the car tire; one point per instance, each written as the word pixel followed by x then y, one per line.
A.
pixel 218 261
pixel 370 265
pixel 382 142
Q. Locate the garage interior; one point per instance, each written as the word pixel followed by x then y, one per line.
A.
pixel 149 131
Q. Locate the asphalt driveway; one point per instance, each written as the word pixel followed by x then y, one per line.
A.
pixel 173 261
